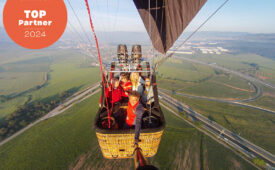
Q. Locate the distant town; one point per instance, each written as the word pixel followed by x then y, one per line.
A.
pixel 202 47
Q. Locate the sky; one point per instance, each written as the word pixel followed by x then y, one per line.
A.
pixel 254 16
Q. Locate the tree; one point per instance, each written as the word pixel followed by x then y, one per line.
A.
pixel 259 162
pixel 3 131
pixel 23 123
pixel 11 124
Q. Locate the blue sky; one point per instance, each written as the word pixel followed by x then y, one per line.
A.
pixel 255 16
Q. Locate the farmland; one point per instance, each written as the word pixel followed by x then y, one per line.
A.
pixel 254 125
pixel 38 78
pixel 68 140
pixel 201 80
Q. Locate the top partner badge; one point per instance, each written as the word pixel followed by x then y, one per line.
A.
pixel 34 14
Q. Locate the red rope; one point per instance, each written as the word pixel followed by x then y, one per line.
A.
pixel 99 57
pixel 112 87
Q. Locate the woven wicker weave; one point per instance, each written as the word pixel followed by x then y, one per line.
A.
pixel 118 146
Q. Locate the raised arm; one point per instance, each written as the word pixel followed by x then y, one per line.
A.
pixel 139 113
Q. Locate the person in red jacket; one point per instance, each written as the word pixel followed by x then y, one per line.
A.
pixel 115 93
pixel 125 84
pixel 114 96
pixel 135 112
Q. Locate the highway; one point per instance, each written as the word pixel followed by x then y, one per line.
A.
pixel 233 102
pixel 232 139
pixel 77 97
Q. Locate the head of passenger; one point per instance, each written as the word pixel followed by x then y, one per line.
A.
pixel 116 82
pixel 134 77
pixel 147 82
pixel 124 78
pixel 139 68
pixel 134 98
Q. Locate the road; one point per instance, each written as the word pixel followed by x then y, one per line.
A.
pixel 234 102
pixel 77 97
pixel 230 71
pixel 231 138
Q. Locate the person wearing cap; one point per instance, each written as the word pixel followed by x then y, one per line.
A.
pixel 135 111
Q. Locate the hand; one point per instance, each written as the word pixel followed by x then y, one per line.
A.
pixel 135 142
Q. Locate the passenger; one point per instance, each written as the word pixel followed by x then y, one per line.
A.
pixel 139 68
pixel 115 96
pixel 148 96
pixel 135 112
pixel 137 82
pixel 125 84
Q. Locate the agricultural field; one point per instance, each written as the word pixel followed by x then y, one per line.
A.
pixel 67 73
pixel 251 64
pixel 267 100
pixel 47 75
pixel 196 79
pixel 254 125
pixel 68 141
pixel 10 106
pixel 18 77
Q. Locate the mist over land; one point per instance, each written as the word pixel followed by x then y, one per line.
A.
pixel 235 42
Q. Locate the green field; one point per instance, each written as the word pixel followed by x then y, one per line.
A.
pixel 254 65
pixel 18 77
pixel 254 125
pixel 66 73
pixel 267 100
pixel 196 79
pixel 68 140
pixel 57 71
pixel 14 83
pixel 175 69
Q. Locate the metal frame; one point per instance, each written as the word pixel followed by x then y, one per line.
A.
pixel 129 67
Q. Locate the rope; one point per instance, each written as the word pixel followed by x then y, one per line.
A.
pixel 81 26
pixel 191 35
pixel 99 57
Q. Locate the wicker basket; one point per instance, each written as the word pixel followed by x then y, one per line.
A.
pixel 118 146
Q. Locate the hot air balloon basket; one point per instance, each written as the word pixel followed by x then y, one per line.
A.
pixel 119 146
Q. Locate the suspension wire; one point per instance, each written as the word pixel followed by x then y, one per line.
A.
pixel 77 34
pixel 99 57
pixel 191 35
pixel 76 37
pixel 80 38
pixel 108 35
pixel 150 113
pixel 81 26
pixel 161 28
pixel 117 11
pixel 75 31
pixel 153 49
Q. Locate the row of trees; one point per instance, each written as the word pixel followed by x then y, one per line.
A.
pixel 28 113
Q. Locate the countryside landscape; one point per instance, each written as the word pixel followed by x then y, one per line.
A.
pixel 36 83
pixel 210 66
